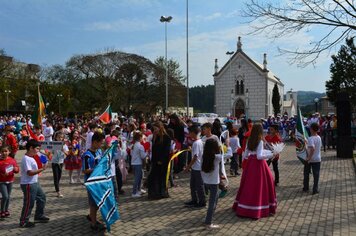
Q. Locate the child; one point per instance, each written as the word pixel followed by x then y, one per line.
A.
pixel 273 138
pixel 313 160
pixel 8 167
pixel 32 191
pixel 137 155
pixel 210 175
pixel 174 162
pixel 256 196
pixel 90 159
pixel 235 145
pixel 196 181
pixel 73 161
pixel 57 162
pixel 10 140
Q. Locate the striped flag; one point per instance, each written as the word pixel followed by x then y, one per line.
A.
pixel 101 188
pixel 106 116
pixel 40 110
pixel 300 138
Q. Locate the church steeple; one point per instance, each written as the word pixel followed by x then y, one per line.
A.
pixel 239 44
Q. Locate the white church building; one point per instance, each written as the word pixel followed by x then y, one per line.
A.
pixel 243 86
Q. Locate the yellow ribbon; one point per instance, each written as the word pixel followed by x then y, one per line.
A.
pixel 169 164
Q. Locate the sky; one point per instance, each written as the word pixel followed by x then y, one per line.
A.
pixel 47 32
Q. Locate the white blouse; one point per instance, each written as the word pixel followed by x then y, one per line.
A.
pixel 260 152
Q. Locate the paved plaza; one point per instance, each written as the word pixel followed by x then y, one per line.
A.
pixel 331 212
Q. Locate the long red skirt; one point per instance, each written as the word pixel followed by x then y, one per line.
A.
pixel 256 197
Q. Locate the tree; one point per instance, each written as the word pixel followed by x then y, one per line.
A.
pixel 343 73
pixel 276 100
pixel 336 18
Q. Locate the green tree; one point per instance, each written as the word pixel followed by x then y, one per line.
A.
pixel 343 73
pixel 276 100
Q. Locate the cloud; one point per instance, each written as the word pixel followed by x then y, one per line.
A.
pixel 121 25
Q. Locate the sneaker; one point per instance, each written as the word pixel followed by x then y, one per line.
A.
pixel 136 195
pixel 212 226
pixel 191 203
pixel 59 195
pixel 2 215
pixel 7 214
pixel 42 219
pixel 143 191
pixel 305 190
pixel 222 193
pixel 98 227
pixel 200 205
pixel 315 192
pixel 27 225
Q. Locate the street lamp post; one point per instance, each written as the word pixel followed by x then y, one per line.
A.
pixel 165 20
pixel 316 100
pixel 187 58
pixel 230 53
pixel 247 104
pixel 59 102
pixel 7 99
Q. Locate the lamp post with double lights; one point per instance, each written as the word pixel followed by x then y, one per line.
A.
pixel 165 20
pixel 7 99
pixel 59 96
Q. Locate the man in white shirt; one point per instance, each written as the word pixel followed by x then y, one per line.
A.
pixel 313 160
pixel 48 131
pixel 92 129
pixel 196 181
pixel 31 189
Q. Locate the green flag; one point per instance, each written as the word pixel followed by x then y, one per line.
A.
pixel 300 138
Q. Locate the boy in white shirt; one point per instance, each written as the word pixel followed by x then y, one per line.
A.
pixel 48 131
pixel 313 160
pixel 196 181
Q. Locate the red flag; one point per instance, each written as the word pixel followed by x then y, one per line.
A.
pixel 106 116
pixel 29 130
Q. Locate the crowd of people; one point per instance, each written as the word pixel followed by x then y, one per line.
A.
pixel 145 148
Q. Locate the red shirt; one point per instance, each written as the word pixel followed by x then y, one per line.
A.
pixel 4 164
pixel 272 140
pixel 10 140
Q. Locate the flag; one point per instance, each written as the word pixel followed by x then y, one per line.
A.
pixel 30 132
pixel 106 116
pixel 101 188
pixel 40 111
pixel 300 138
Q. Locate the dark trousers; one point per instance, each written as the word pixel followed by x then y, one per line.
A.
pixel 234 163
pixel 197 187
pixel 275 170
pixel 57 174
pixel 136 188
pixel 315 167
pixel 213 201
pixel 5 190
pixel 32 193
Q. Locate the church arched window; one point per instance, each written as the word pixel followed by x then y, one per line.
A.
pixel 242 87
pixel 237 89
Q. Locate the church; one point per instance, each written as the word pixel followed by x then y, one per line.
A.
pixel 243 86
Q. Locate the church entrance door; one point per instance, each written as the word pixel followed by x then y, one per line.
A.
pixel 239 108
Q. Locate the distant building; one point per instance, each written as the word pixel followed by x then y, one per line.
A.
pixel 182 111
pixel 326 106
pixel 243 86
pixel 290 104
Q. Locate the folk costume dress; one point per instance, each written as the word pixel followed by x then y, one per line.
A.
pixel 73 161
pixel 256 197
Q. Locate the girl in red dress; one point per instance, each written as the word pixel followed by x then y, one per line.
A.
pixel 73 162
pixel 256 196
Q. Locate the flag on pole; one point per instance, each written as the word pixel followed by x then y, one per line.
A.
pixel 101 188
pixel 30 132
pixel 106 116
pixel 300 138
pixel 40 110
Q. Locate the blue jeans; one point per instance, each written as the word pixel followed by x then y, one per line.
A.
pixel 316 173
pixel 213 201
pixel 32 193
pixel 137 169
pixel 5 190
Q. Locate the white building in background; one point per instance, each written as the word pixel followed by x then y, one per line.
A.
pixel 243 86
pixel 290 103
